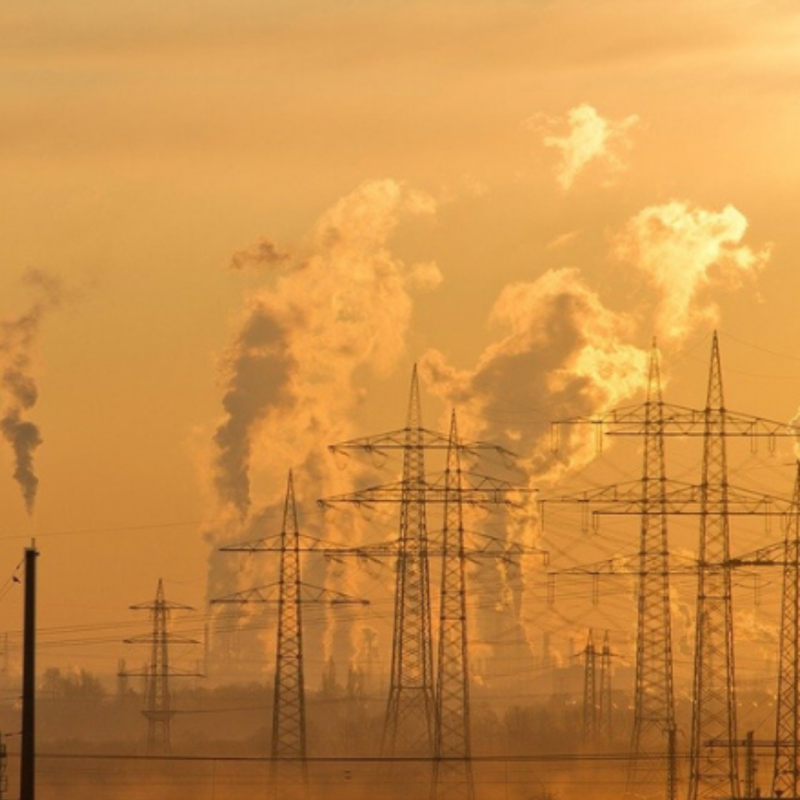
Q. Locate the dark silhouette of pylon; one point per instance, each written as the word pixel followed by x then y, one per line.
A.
pixel 288 753
pixel 452 766
pixel 409 722
pixel 288 704
pixel 158 708
pixel 654 498
pixel 787 714
pixel 654 697
pixel 605 728
pixel 714 770
pixel 589 692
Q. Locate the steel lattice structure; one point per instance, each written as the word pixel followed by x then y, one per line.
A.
pixel 409 723
pixel 452 766
pixel 787 715
pixel 590 692
pixel 714 501
pixel 158 709
pixel 288 755
pixel 410 720
pixel 605 728
pixel 654 704
pixel 714 770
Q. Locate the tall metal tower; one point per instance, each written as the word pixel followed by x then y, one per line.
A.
pixel 452 766
pixel 715 502
pixel 787 723
pixel 605 728
pixel 714 770
pixel 158 709
pixel 288 764
pixel 409 724
pixel 590 692
pixel 654 703
pixel 288 704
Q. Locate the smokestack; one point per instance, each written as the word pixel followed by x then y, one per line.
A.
pixel 27 767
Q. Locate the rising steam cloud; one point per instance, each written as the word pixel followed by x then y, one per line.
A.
pixel 334 310
pixel 562 352
pixel 684 249
pixel 341 304
pixel 18 390
pixel 590 138
pixel 559 347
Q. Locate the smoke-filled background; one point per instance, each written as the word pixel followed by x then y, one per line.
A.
pixel 275 210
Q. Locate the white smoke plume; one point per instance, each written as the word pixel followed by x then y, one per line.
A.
pixel 18 391
pixel 342 305
pixel 560 348
pixel 561 352
pixel 589 138
pixel 684 249
pixel 334 311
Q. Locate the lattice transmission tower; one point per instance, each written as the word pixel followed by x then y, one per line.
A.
pixel 288 750
pixel 787 713
pixel 714 769
pixel 590 705
pixel 452 766
pixel 410 719
pixel 158 706
pixel 605 708
pixel 410 710
pixel 654 703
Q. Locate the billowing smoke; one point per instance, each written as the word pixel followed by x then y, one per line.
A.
pixel 340 305
pixel 590 138
pixel 264 253
pixel 560 347
pixel 331 312
pixel 684 249
pixel 562 352
pixel 18 390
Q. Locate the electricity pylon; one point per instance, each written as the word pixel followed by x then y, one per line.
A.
pixel 409 723
pixel 714 501
pixel 714 771
pixel 605 728
pixel 410 710
pixel 288 754
pixel 158 708
pixel 452 766
pixel 590 692
pixel 787 714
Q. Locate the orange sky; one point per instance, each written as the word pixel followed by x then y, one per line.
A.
pixel 142 146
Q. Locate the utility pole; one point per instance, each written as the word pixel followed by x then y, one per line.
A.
pixel 28 759
pixel 3 767
pixel 288 753
pixel 158 708
pixel 452 766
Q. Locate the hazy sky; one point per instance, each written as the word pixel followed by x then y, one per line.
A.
pixel 260 214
